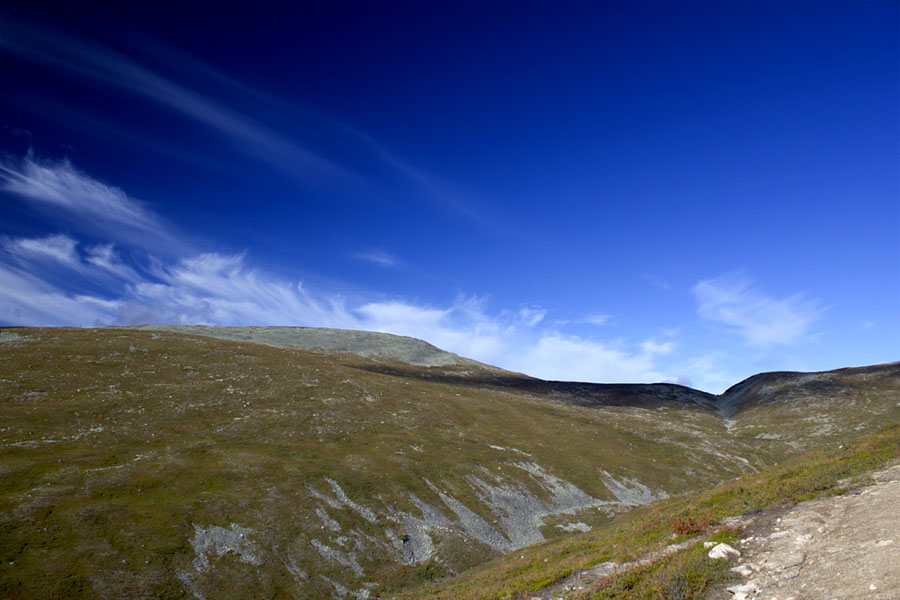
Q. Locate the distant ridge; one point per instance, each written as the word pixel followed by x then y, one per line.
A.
pixel 798 385
pixel 416 352
pixel 371 344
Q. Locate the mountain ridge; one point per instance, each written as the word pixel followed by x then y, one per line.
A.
pixel 417 352
pixel 370 344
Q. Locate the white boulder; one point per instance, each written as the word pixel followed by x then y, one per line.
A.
pixel 724 551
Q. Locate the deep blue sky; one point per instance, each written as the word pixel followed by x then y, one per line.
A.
pixel 608 191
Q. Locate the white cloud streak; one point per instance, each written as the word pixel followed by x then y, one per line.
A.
pixel 61 280
pixel 28 299
pixel 105 258
pixel 379 257
pixel 261 126
pixel 59 248
pixel 114 69
pixel 761 320
pixel 91 206
pixel 434 188
pixel 599 320
pixel 218 289
pixel 530 316
pixel 651 347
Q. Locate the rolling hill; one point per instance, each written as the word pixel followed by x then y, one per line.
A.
pixel 301 463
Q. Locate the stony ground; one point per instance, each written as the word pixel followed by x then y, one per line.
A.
pixel 836 548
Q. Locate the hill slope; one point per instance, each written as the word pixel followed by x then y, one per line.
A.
pixel 156 464
pixel 804 410
pixel 370 344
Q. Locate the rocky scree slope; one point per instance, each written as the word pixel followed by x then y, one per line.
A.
pixel 157 464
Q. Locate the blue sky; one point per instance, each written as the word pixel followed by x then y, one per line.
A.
pixel 606 191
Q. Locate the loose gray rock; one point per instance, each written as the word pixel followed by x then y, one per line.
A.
pixel 336 556
pixel 630 492
pixel 218 541
pixel 724 551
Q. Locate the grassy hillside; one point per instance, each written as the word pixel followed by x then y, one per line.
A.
pixel 156 464
pixel 707 515
pixel 797 411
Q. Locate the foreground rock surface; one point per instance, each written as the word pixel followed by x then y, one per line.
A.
pixel 842 547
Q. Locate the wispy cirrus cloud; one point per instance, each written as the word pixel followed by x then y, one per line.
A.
pixel 745 309
pixel 600 320
pixel 362 146
pixel 58 248
pixel 33 299
pixel 83 202
pixel 256 124
pixel 104 65
pixel 530 316
pixel 218 289
pixel 380 257
pixel 60 279
pixel 106 258
pixel 652 347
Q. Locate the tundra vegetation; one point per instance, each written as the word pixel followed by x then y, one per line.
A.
pixel 155 463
